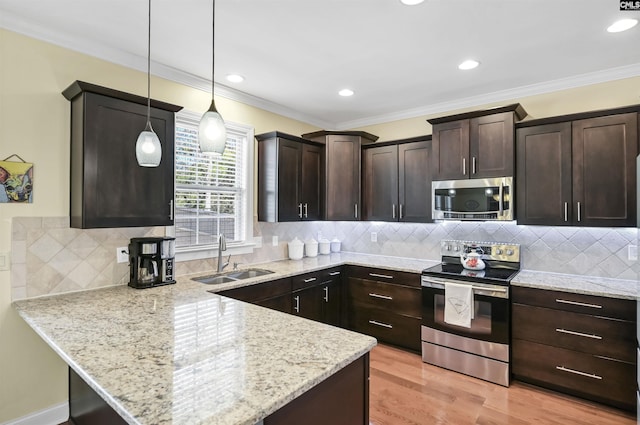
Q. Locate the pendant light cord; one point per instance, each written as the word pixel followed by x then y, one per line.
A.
pixel 149 67
pixel 213 47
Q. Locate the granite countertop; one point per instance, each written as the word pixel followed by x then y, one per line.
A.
pixel 589 285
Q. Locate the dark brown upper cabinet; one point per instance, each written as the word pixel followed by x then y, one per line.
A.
pixel 397 181
pixel 477 144
pixel 342 171
pixel 290 178
pixel 579 171
pixel 108 187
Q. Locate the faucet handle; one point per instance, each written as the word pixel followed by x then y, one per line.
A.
pixel 235 265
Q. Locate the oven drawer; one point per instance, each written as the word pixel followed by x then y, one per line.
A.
pixel 398 299
pixel 596 378
pixel 580 332
pixel 577 303
pixel 386 326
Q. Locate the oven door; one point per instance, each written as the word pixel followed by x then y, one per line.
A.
pixel 490 320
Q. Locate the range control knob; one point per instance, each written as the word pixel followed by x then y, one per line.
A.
pixel 456 248
pixel 509 251
pixel 498 251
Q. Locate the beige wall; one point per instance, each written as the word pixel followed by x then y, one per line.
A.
pixel 34 123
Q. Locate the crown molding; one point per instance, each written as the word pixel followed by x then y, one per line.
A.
pixel 93 48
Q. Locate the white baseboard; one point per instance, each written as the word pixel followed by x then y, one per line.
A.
pixel 53 415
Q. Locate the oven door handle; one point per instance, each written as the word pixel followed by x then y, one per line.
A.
pixel 488 290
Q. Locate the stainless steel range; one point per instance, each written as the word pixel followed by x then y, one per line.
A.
pixel 466 309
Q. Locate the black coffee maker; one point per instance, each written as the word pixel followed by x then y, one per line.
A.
pixel 151 262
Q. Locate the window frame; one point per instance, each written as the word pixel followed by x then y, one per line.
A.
pixel 247 246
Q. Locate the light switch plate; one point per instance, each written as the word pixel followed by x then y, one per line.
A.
pixel 374 236
pixel 633 252
pixel 274 241
pixel 5 261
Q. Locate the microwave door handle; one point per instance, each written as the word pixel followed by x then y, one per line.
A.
pixel 500 202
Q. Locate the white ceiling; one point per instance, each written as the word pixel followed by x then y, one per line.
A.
pixel 401 61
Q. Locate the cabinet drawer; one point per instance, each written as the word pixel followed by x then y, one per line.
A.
pixel 578 303
pixel 332 274
pixel 395 298
pixel 585 375
pixel 388 276
pixel 580 332
pixel 386 326
pixel 305 281
pixel 280 303
pixel 259 291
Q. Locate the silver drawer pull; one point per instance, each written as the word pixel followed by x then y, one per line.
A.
pixel 577 372
pixel 334 273
pixel 577 303
pixel 565 331
pixel 311 279
pixel 384 297
pixel 384 325
pixel 385 276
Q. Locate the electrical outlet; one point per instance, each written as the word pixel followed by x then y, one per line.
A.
pixel 633 252
pixel 374 236
pixel 122 254
pixel 4 261
pixel 274 240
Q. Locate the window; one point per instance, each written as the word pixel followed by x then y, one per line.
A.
pixel 213 192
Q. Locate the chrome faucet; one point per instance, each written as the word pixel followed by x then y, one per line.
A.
pixel 222 246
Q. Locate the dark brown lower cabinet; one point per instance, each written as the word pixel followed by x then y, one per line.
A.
pixel 342 399
pixel 275 294
pixel 579 344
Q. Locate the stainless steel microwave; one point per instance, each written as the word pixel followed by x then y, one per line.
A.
pixel 473 199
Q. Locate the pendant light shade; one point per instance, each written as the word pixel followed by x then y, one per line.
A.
pixel 212 133
pixel 148 148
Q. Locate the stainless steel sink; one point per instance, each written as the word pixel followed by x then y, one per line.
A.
pixel 232 276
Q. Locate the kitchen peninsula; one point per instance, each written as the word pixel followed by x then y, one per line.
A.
pixel 178 354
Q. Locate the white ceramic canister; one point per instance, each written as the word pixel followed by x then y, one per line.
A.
pixel 311 248
pixel 296 249
pixel 335 245
pixel 324 246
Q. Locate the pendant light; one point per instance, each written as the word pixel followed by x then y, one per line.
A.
pixel 212 133
pixel 148 149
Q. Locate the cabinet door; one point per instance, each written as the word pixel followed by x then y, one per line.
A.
pixel 380 198
pixel 289 180
pixel 414 181
pixel 307 303
pixel 451 150
pixel 491 141
pixel 311 185
pixel 343 178
pixel 604 170
pixel 331 302
pixel 543 184
pixel 108 187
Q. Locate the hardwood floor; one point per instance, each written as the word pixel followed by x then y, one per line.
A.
pixel 403 390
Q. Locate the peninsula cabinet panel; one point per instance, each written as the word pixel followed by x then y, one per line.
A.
pixel 580 172
pixel 108 187
pixel 290 185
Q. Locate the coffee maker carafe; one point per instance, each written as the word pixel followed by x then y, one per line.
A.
pixel 151 262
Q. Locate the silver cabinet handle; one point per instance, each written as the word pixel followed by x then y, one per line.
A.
pixel 326 294
pixel 384 276
pixel 473 165
pixel 464 166
pixel 297 306
pixel 393 210
pixel 300 210
pixel 355 212
pixel 311 279
pixel 334 273
pixel 566 211
pixel 565 331
pixel 501 200
pixel 306 210
pixel 384 297
pixel 577 372
pixel 400 211
pixel 561 301
pixel 579 218
pixel 171 210
pixel 384 325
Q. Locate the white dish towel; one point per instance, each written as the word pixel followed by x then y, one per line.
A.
pixel 458 304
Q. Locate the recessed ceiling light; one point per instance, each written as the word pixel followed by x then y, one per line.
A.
pixel 235 78
pixel 411 2
pixel 468 64
pixel 345 92
pixel 622 25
